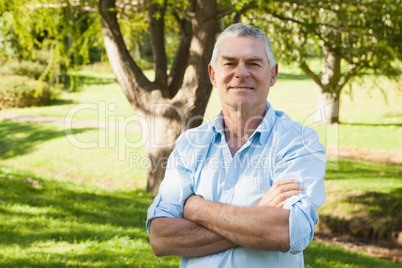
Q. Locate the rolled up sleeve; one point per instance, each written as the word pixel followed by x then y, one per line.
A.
pixel 302 220
pixel 304 161
pixel 175 188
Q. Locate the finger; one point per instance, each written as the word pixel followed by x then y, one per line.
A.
pixel 284 196
pixel 281 183
pixel 283 189
pixel 281 204
pixel 285 181
pixel 273 193
pixel 275 201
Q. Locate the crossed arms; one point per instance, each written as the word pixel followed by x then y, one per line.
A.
pixel 208 227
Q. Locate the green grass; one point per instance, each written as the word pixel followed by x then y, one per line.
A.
pixel 109 96
pixel 48 223
pixel 45 222
pixel 318 255
pixel 65 205
pixel 364 199
pixel 75 207
pixel 97 88
pixel 369 120
pixel 46 149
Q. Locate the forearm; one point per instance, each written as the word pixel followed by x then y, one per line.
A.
pixel 264 228
pixel 180 237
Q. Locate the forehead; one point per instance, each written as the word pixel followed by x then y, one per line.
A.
pixel 242 47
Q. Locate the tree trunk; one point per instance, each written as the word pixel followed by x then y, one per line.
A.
pixel 160 129
pixel 167 106
pixel 328 107
pixel 329 89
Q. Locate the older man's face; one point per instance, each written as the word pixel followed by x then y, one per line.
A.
pixel 242 73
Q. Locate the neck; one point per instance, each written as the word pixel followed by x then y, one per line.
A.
pixel 240 124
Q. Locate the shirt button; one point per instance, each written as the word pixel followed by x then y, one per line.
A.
pixel 228 186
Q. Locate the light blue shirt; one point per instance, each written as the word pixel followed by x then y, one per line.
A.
pixel 278 149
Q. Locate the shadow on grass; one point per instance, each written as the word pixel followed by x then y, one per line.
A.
pixel 82 79
pixel 118 262
pixel 382 219
pixel 21 138
pixel 320 255
pixel 372 214
pixel 61 202
pixel 353 169
pixel 372 124
pixel 37 211
pixel 381 204
pixel 57 102
pixel 90 80
pixel 59 224
pixel 289 76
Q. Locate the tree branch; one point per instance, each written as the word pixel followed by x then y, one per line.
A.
pixel 306 69
pixel 236 18
pixel 129 75
pixel 224 12
pixel 228 11
pixel 157 33
pixel 180 62
pixel 352 70
pixel 176 17
pixel 193 100
pixel 86 6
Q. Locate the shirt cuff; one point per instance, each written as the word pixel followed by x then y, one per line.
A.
pixel 159 208
pixel 302 220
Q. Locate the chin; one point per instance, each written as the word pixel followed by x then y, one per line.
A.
pixel 243 103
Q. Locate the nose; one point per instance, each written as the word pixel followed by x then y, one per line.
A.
pixel 241 71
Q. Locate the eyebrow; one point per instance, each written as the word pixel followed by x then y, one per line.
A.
pixel 254 58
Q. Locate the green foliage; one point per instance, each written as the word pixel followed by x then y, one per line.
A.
pixel 364 33
pixel 68 31
pixel 32 69
pixel 18 91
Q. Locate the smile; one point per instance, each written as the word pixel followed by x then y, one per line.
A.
pixel 241 88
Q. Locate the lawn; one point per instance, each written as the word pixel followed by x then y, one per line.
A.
pixel 45 222
pixel 364 199
pixel 369 119
pixel 77 199
pixel 46 149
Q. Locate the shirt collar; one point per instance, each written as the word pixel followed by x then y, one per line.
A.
pixel 261 133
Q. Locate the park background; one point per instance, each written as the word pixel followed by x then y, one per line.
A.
pixel 74 194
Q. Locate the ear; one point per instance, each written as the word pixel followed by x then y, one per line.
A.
pixel 211 75
pixel 274 74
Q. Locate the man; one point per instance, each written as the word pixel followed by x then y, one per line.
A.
pixel 243 190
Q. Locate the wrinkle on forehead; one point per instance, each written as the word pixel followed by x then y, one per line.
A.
pixel 251 58
pixel 248 53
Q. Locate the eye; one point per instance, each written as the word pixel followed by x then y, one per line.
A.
pixel 254 64
pixel 229 64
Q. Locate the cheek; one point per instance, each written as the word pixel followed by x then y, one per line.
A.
pixel 222 77
pixel 220 92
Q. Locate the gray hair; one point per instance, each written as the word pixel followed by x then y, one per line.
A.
pixel 239 29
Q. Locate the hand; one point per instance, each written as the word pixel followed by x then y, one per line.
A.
pixel 279 192
pixel 191 206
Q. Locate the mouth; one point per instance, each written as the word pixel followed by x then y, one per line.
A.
pixel 241 88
